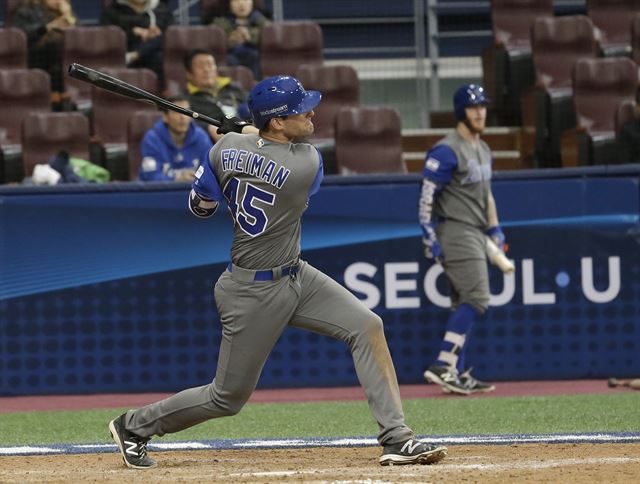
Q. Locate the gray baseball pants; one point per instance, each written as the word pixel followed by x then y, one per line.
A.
pixel 253 316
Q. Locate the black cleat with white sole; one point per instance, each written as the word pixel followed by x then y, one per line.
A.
pixel 132 447
pixel 412 452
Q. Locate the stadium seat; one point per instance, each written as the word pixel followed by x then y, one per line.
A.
pixel 178 39
pixel 46 134
pixel 635 39
pixel 13 48
pixel 139 123
pixel 110 114
pixel 22 92
pixel 557 43
pixel 600 86
pixel 287 45
pixel 507 65
pixel 9 11
pixel 339 87
pixel 210 9
pixel 241 75
pixel 625 113
pixel 612 19
pixel 369 140
pixel 96 47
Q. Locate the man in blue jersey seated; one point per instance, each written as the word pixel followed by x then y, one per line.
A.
pixel 174 147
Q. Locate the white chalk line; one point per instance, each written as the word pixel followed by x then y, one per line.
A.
pixel 444 466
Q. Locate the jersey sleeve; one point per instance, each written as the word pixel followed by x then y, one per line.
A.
pixel 206 183
pixel 315 186
pixel 439 165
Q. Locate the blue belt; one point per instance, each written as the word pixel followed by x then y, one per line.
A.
pixel 268 274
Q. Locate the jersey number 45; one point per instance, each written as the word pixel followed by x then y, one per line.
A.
pixel 252 219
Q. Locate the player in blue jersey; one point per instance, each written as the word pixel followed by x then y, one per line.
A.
pixel 266 180
pixel 457 212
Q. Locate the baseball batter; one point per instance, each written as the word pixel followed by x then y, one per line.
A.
pixel 457 211
pixel 266 179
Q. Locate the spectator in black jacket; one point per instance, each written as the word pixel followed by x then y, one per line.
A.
pixel 629 140
pixel 210 94
pixel 44 22
pixel 144 22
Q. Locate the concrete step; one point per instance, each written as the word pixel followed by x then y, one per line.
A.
pixel 498 138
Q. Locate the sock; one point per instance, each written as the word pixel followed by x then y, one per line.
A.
pixel 452 348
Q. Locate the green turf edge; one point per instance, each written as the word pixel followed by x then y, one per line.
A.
pixel 450 416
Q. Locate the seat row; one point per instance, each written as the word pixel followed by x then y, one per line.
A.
pixel 284 47
pixel 548 74
pixel 368 140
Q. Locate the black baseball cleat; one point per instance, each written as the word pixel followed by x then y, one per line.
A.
pixel 447 378
pixel 412 452
pixel 132 447
pixel 473 385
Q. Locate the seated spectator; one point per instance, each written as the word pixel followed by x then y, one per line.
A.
pixel 174 147
pixel 629 140
pixel 44 21
pixel 210 94
pixel 144 22
pixel 243 25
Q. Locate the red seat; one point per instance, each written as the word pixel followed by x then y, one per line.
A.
pixel 22 91
pixel 9 11
pixel 612 20
pixel 111 111
pixel 507 63
pixel 635 39
pixel 339 87
pixel 110 114
pixel 600 87
pixel 96 47
pixel 45 134
pixel 179 39
pixel 287 45
pixel 241 75
pixel 13 48
pixel 369 140
pixel 139 123
pixel 557 43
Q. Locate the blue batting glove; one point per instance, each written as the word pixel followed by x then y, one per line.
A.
pixel 497 235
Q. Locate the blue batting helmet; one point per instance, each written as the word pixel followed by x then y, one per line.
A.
pixel 468 95
pixel 280 96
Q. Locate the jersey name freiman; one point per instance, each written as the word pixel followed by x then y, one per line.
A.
pixel 243 161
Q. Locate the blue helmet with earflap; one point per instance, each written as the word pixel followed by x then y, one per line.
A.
pixel 466 96
pixel 280 96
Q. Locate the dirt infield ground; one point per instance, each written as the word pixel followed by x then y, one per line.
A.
pixel 611 463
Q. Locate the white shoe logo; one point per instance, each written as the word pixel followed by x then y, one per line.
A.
pixel 409 447
pixel 131 448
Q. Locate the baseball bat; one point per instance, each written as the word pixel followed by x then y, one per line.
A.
pixel 118 86
pixel 614 382
pixel 497 257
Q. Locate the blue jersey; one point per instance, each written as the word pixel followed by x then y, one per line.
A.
pixel 161 158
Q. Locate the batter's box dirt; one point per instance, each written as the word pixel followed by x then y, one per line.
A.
pixel 566 463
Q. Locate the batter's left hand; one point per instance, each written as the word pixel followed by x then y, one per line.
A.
pixel 497 235
pixel 231 124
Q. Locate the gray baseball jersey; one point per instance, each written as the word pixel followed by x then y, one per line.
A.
pixel 267 288
pixel 464 198
pixel 462 174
